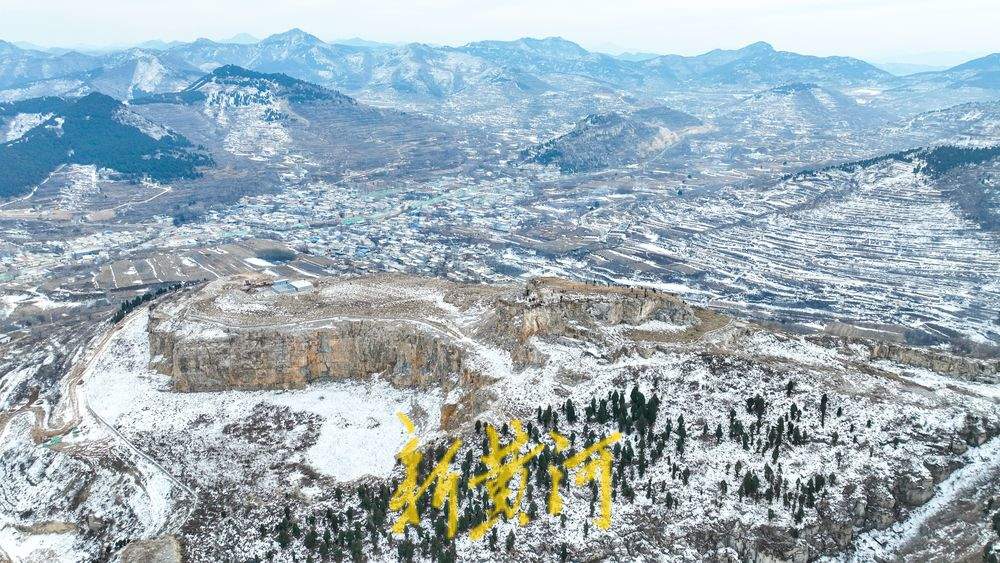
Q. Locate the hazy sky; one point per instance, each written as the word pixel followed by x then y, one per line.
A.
pixel 873 29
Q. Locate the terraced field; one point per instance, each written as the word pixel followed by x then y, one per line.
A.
pixel 883 245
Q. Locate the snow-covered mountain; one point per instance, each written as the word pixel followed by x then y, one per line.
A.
pixel 270 118
pixel 977 80
pixel 614 139
pixel 423 71
pixel 975 123
pixel 798 109
pixel 137 72
pixel 20 66
pixel 231 85
pixel 760 64
pixel 983 72
pixel 294 52
pixel 122 75
pixel 554 55
pixel 252 110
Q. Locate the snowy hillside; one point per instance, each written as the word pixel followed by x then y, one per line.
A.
pixel 736 441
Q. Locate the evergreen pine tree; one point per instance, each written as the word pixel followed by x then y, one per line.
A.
pixel 312 539
pixel 652 407
pixel 681 434
pixel 822 410
pixel 602 412
pixel 284 538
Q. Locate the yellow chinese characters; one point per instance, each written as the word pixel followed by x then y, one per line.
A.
pixel 555 500
pixel 597 468
pixel 444 480
pixel 505 479
pixel 502 466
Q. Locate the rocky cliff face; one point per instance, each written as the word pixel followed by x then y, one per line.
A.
pixel 237 335
pixel 164 549
pixel 281 358
pixel 553 306
pixel 556 308
pixel 972 369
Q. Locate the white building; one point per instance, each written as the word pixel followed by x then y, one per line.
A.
pixel 291 286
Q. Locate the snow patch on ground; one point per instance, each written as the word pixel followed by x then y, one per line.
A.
pixel 40 548
pixel 661 326
pixel 361 432
pixel 254 261
pixel 359 436
pixel 22 123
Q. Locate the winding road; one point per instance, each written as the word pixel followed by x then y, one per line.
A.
pixel 73 410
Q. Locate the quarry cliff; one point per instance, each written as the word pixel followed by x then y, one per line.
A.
pixel 239 334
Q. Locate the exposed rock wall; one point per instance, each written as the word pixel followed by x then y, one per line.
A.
pixel 972 369
pixel 268 358
pixel 551 307
pixel 165 549
pixel 203 348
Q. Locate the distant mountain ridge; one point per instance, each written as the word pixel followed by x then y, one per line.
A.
pixel 280 85
pixel 983 72
pixel 533 76
pixel 554 55
pixel 417 71
pixel 20 66
pixel 353 63
pixel 759 63
pixel 121 74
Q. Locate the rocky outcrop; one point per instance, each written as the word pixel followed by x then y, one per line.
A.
pixel 972 369
pixel 915 487
pixel 554 306
pixel 772 545
pixel 557 308
pixel 269 358
pixel 419 333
